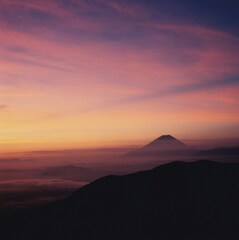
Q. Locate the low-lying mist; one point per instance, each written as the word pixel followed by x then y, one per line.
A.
pixel 42 176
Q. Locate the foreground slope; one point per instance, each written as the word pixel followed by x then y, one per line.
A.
pixel 198 200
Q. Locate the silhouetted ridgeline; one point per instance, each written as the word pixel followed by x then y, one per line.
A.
pixel 221 152
pixel 198 200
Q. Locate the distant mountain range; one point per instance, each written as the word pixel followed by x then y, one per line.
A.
pixel 221 152
pixel 179 200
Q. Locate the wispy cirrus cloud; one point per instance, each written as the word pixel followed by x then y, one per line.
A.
pixel 72 58
pixel 3 106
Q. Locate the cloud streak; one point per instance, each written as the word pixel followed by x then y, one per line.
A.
pixel 80 61
pixel 3 106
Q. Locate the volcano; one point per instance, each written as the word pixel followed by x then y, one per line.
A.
pixel 165 146
pixel 165 142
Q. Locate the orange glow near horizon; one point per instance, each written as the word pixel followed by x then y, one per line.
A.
pixel 70 80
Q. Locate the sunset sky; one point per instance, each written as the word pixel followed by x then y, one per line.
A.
pixel 96 73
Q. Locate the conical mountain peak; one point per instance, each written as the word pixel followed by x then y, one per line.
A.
pixel 166 137
pixel 163 146
pixel 166 141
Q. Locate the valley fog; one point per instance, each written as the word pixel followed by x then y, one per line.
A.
pixel 37 177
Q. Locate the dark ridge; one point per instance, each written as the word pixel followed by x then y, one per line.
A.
pixel 179 200
pixel 223 151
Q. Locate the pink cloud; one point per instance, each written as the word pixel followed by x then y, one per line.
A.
pixel 77 63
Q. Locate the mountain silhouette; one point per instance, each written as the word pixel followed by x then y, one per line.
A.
pixel 167 141
pixel 179 200
pixel 222 151
pixel 165 146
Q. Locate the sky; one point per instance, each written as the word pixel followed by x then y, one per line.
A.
pixel 96 73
